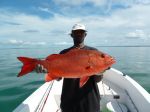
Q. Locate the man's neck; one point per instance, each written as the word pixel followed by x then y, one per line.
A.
pixel 79 46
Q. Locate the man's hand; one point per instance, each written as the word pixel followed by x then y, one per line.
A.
pixel 59 79
pixel 98 78
pixel 108 68
pixel 40 69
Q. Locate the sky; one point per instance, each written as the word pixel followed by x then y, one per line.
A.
pixel 49 22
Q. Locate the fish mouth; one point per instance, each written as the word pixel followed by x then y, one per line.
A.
pixel 111 61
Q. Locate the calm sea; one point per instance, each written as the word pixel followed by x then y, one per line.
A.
pixel 134 61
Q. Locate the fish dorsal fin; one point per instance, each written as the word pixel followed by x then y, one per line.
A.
pixel 52 56
pixel 83 80
pixel 49 77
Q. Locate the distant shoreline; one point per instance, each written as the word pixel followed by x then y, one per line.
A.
pixel 126 46
pixel 63 45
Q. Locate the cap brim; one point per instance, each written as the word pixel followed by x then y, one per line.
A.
pixel 77 29
pixel 80 29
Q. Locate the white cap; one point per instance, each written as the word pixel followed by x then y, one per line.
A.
pixel 78 27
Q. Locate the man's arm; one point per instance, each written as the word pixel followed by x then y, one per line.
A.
pixel 98 78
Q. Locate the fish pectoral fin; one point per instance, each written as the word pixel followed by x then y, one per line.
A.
pixel 88 67
pixel 50 77
pixel 83 80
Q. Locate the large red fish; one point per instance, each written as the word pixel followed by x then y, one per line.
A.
pixel 77 63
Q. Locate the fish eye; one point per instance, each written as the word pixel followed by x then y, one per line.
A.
pixel 102 55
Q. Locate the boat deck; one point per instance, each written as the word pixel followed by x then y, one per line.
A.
pixel 107 95
pixel 119 93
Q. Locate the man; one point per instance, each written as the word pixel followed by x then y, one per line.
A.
pixel 74 98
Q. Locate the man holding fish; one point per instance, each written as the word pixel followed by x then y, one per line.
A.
pixel 78 66
pixel 74 98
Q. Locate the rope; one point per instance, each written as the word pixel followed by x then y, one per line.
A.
pixel 44 98
pixel 103 88
pixel 47 96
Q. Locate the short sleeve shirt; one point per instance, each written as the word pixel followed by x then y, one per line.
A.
pixel 76 99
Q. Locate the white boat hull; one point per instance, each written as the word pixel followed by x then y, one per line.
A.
pixel 119 93
pixel 134 96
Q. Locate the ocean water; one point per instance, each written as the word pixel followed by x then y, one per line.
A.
pixel 133 61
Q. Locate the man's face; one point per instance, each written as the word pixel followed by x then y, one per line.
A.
pixel 78 35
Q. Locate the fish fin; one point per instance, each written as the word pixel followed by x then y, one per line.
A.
pixel 89 67
pixel 83 81
pixel 52 56
pixel 28 65
pixel 49 77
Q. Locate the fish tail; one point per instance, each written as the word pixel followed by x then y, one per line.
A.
pixel 28 65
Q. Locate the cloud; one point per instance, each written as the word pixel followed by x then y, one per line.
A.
pixel 13 41
pixel 81 7
pixel 29 43
pixel 95 7
pixel 45 9
pixel 137 34
pixel 11 23
pixel 145 2
pixel 70 3
pixel 94 2
pixel 20 42
pixel 110 29
pixel 63 43
pixel 30 31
